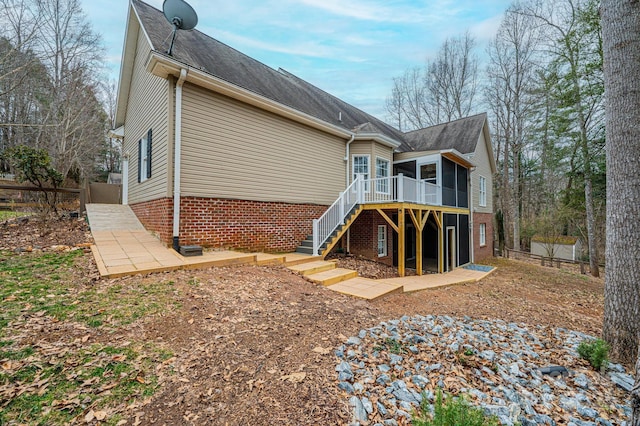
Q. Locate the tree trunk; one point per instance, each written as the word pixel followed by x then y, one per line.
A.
pixel 635 396
pixel 621 45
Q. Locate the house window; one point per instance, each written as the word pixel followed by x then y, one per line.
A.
pixel 361 167
pixel 144 157
pixel 483 234
pixel 382 175
pixel 483 192
pixel 382 240
pixel 429 173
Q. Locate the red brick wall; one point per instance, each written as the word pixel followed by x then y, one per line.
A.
pixel 237 224
pixel 364 237
pixel 156 216
pixel 487 250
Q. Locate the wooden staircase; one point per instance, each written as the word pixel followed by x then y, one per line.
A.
pixel 306 247
pixel 345 281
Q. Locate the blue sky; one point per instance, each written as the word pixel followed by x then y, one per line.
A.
pixel 349 48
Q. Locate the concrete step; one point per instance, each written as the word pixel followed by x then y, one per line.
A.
pixel 332 276
pixel 365 288
pixel 313 267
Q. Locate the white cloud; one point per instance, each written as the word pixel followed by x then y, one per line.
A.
pixel 304 48
pixel 485 31
pixel 371 11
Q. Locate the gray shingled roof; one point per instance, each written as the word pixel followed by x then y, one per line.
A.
pixel 201 51
pixel 461 135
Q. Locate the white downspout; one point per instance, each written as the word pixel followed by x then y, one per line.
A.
pixel 125 179
pixel 346 159
pixel 176 168
pixel 471 211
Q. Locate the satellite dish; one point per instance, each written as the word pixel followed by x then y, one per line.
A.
pixel 180 15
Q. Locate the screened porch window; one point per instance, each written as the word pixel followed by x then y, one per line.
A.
pixel 429 173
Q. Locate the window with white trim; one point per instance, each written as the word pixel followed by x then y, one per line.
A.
pixel 144 157
pixel 483 234
pixel 361 167
pixel 482 201
pixel 382 240
pixel 382 176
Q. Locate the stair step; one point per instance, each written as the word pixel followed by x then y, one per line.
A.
pixel 304 250
pixel 299 258
pixel 313 267
pixel 332 276
pixel 306 243
pixel 365 288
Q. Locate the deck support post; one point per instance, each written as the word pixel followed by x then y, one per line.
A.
pixel 440 217
pixel 401 242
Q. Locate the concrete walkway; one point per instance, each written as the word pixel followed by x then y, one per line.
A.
pixel 123 247
pixel 347 281
pixel 424 282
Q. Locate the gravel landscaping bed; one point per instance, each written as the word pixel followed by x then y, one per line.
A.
pixel 387 370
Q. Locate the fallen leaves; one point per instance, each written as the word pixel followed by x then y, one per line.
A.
pixel 320 350
pixel 99 415
pixel 294 377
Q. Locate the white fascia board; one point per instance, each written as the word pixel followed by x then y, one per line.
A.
pixel 377 137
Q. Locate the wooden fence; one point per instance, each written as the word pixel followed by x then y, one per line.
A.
pixel 12 197
pixel 547 261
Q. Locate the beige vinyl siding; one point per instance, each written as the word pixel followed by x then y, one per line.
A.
pixel 483 168
pixel 384 152
pixel 401 156
pixel 232 150
pixel 147 109
pixel 372 149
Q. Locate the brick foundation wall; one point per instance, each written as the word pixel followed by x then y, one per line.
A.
pixel 364 237
pixel 156 216
pixel 485 251
pixel 237 224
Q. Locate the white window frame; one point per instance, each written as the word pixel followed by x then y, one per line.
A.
pixel 483 234
pixel 382 185
pixel 482 191
pixel 382 242
pixel 144 159
pixel 367 174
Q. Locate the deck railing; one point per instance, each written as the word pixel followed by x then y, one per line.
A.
pixel 335 215
pixel 394 189
pixel 401 189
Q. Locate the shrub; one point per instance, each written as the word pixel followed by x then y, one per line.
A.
pixel 595 351
pixel 448 411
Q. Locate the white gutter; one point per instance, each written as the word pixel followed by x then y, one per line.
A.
pixel 125 179
pixel 176 171
pixel 346 158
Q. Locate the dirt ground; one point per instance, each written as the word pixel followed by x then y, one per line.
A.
pixel 254 345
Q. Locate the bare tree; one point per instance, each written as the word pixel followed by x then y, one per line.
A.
pixel 407 101
pixel 621 45
pixel 72 53
pixel 513 63
pixel 443 90
pixel 451 80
